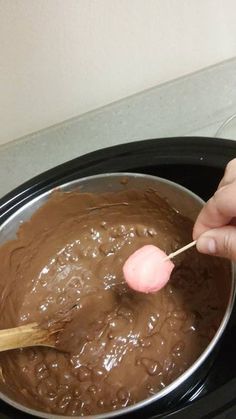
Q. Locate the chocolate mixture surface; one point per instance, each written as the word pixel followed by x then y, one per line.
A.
pixel 123 346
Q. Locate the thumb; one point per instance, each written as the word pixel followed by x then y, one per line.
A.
pixel 219 242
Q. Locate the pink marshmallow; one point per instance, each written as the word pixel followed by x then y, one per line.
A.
pixel 146 271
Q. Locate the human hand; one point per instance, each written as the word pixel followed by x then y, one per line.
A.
pixel 215 227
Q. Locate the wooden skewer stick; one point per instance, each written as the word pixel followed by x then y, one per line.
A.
pixel 188 246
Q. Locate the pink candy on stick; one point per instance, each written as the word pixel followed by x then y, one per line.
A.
pixel 146 271
pixel 149 268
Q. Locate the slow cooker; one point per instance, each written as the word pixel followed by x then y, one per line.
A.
pixel 198 164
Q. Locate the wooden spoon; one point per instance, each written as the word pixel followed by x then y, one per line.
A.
pixel 27 335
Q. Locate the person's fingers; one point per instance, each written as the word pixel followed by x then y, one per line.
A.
pixel 229 175
pixel 214 228
pixel 219 241
pixel 218 211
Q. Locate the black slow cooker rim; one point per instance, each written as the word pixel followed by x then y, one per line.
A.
pixel 157 151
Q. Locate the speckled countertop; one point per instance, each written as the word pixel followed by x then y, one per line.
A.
pixel 196 104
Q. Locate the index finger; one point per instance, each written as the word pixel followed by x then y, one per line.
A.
pixel 229 175
pixel 218 211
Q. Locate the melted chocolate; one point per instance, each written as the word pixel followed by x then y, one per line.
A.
pixel 122 346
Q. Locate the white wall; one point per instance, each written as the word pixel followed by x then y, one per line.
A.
pixel 61 58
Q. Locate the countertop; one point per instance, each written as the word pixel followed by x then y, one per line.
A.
pixel 193 105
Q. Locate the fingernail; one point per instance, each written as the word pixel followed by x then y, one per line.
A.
pixel 206 245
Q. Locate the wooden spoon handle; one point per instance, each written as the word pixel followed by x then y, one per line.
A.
pixel 24 336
